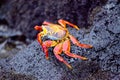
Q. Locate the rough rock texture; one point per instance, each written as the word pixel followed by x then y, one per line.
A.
pixel 105 36
pixel 104 58
pixel 31 61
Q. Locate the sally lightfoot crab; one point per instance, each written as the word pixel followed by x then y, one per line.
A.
pixel 60 38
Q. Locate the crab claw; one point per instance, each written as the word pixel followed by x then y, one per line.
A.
pixel 57 51
pixel 46 45
pixel 76 42
pixel 39 38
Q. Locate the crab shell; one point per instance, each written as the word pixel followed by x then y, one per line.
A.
pixel 55 32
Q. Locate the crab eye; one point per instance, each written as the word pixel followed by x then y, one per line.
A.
pixel 38 28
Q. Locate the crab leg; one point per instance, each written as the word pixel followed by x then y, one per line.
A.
pixel 46 45
pixel 57 51
pixel 76 42
pixel 64 22
pixel 66 50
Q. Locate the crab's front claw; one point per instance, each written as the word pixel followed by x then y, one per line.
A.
pixel 76 42
pixel 39 38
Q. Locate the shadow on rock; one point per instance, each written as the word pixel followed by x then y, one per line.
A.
pixel 4 75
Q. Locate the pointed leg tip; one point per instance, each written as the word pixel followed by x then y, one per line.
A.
pixel 85 46
pixel 84 58
pixel 77 28
pixel 69 66
pixel 91 46
pixel 47 58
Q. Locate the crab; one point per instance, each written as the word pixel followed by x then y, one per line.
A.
pixel 59 38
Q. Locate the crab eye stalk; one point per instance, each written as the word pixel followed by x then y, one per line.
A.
pixel 38 28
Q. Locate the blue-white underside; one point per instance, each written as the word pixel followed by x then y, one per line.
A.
pixel 53 37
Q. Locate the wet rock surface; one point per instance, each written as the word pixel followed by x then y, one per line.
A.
pixel 104 59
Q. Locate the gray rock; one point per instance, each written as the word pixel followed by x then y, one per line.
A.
pixel 31 61
pixel 105 36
